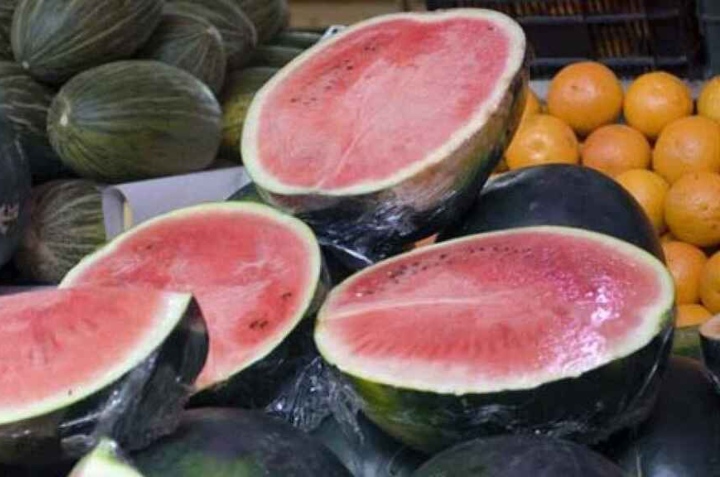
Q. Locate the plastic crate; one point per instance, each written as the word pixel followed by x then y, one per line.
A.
pixel 630 36
pixel 709 11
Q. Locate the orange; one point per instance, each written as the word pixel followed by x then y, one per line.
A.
pixel 690 144
pixel 614 149
pixel 710 284
pixel 649 189
pixel 686 263
pixel 654 100
pixel 692 315
pixel 668 237
pixel 692 209
pixel 532 105
pixel 708 104
pixel 585 95
pixel 542 139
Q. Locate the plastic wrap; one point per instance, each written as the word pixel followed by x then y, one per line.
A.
pixel 140 406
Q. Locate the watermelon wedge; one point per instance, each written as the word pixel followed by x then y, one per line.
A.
pixel 104 461
pixel 81 363
pixel 379 135
pixel 548 330
pixel 255 272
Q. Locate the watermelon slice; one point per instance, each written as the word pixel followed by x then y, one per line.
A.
pixel 255 272
pixel 79 363
pixel 541 329
pixel 710 342
pixel 381 134
pixel 104 461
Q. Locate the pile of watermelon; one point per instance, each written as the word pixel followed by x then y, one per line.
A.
pixel 373 304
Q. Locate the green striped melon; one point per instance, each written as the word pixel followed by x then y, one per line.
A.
pixel 56 39
pixel 7 8
pixel 238 92
pixel 191 43
pixel 275 56
pixel 268 16
pixel 66 223
pixel 24 103
pixel 238 33
pixel 133 120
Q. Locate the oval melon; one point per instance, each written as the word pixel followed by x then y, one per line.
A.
pixel 237 31
pixel 14 191
pixel 268 16
pixel 374 139
pixel 134 120
pixel 191 43
pixel 275 56
pixel 25 103
pixel 66 224
pixel 56 39
pixel 536 330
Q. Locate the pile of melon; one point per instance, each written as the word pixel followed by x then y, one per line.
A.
pixel 373 304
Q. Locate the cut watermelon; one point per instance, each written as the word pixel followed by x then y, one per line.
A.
pixel 256 273
pixel 104 461
pixel 79 363
pixel 380 134
pixel 544 329
pixel 710 342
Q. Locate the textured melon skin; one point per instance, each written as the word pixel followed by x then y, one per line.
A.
pixel 681 438
pixel 25 103
pixel 558 194
pixel 190 43
pixel 141 406
pixel 376 225
pixel 519 456
pixel 275 56
pixel 586 409
pixel 710 351
pixel 223 442
pixel 14 191
pixel 134 120
pixel 268 16
pixel 7 8
pixel 56 39
pixel 66 223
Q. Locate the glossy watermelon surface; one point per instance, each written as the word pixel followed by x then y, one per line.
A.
pixel 14 191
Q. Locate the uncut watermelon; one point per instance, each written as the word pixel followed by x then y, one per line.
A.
pixel 547 330
pixel 682 436
pixel 14 191
pixel 90 362
pixel 710 343
pixel 190 43
pixel 379 135
pixel 255 272
pixel 104 461
pixel 558 194
pixel 519 456
pixel 7 8
pixel 57 39
pixel 237 443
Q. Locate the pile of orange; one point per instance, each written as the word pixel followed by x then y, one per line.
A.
pixel 658 144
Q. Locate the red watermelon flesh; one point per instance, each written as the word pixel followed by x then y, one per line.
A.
pixel 252 270
pixel 381 101
pixel 61 344
pixel 507 310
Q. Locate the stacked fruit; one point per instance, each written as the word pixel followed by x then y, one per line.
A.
pixel 665 153
pixel 131 91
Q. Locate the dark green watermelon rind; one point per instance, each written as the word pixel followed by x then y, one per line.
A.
pixel 370 226
pixel 586 409
pixel 681 437
pixel 561 195
pixel 519 456
pixel 710 347
pixel 274 56
pixel 15 190
pixel 231 442
pixel 296 38
pixel 57 40
pixel 142 405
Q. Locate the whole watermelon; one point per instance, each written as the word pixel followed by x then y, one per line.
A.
pixel 14 191
pixel 134 120
pixel 24 103
pixel 192 44
pixel 56 39
pixel 268 16
pixel 7 8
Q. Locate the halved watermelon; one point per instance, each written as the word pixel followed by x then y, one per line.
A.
pixel 256 273
pixel 547 330
pixel 79 364
pixel 104 461
pixel 710 342
pixel 381 134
